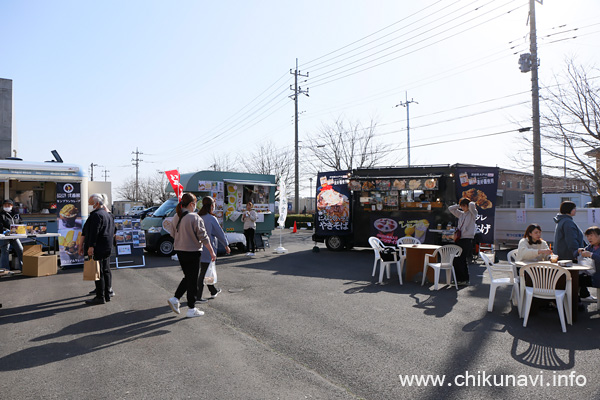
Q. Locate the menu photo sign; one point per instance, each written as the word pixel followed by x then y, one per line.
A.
pixel 130 240
pixel 480 185
pixel 333 203
pixel 389 229
pixel 68 203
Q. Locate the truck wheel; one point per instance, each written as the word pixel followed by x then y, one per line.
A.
pixel 334 243
pixel 165 247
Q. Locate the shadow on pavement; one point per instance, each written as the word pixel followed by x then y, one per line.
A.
pixel 116 329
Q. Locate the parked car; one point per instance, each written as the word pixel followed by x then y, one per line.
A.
pixel 135 210
pixel 147 212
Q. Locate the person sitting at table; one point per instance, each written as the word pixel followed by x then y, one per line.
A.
pixel 592 234
pixel 532 247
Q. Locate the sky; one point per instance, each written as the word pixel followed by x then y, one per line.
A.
pixel 189 82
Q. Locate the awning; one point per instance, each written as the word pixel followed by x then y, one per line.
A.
pixel 249 183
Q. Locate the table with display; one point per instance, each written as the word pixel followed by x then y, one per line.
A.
pixel 415 258
pixel 574 270
pixel 36 237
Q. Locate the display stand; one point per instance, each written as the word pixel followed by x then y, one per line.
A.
pixel 130 242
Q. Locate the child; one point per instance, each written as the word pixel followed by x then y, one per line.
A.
pixel 592 235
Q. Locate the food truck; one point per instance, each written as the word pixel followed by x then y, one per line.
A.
pixel 51 197
pixel 391 203
pixel 231 191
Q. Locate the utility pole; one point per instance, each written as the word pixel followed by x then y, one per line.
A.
pixel 406 104
pixel 92 165
pixel 105 172
pixel 136 162
pixel 535 102
pixel 297 90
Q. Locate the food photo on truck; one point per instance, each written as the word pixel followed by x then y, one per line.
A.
pixel 390 203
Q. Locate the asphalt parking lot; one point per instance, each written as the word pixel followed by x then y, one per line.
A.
pixel 300 325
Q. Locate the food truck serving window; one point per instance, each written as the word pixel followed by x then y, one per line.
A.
pixel 32 197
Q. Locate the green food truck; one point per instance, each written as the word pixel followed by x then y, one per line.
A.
pixel 231 191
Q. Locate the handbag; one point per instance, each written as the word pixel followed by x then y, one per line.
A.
pixel 91 270
pixel 388 254
pixel 210 278
pixel 457 235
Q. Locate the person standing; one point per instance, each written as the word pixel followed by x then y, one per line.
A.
pixel 466 212
pixel 82 238
pixel 568 238
pixel 189 234
pixel 215 233
pixel 99 231
pixel 8 218
pixel 249 218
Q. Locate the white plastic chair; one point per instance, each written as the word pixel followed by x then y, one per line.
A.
pixel 501 276
pixel 511 257
pixel 544 278
pixel 447 254
pixel 405 240
pixel 378 246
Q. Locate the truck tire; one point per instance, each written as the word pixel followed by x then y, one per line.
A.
pixel 165 247
pixel 334 243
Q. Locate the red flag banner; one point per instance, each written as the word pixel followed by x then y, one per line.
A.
pixel 174 179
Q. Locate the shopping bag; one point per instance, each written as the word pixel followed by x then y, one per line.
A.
pixel 91 270
pixel 211 274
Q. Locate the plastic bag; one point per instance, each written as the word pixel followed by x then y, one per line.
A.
pixel 211 274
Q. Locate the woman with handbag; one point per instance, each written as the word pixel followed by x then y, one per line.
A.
pixel 215 233
pixel 466 212
pixel 189 234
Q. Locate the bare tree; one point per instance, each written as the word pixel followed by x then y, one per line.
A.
pixel 571 126
pixel 268 159
pixel 224 163
pixel 345 145
pixel 127 190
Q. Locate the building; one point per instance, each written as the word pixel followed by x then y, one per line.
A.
pixel 514 185
pixel 6 115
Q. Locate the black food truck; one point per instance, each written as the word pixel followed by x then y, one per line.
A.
pixel 391 203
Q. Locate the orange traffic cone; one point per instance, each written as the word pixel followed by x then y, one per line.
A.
pixel 295 229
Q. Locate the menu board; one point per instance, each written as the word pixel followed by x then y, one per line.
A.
pixel 68 203
pixel 394 184
pixel 130 240
pixel 480 185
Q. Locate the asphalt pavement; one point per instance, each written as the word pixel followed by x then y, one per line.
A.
pixel 299 325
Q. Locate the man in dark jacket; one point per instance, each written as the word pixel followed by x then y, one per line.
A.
pixel 8 218
pixel 98 234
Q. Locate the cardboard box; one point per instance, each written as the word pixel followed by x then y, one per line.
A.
pixel 36 263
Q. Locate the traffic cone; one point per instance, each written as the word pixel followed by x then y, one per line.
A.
pixel 295 229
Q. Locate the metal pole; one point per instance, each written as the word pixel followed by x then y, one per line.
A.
pixel 407 128
pixel 296 174
pixel 535 101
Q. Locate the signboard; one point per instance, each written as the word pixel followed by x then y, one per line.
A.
pixel 68 203
pixel 131 240
pixel 480 185
pixel 391 227
pixel 333 204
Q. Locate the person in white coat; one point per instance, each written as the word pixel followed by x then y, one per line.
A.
pixel 249 218
pixel 532 247
pixel 466 212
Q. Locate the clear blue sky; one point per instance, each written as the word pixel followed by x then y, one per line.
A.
pixel 188 80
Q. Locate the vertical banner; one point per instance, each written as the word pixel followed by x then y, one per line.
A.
pixel 333 204
pixel 68 203
pixel 174 177
pixel 480 185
